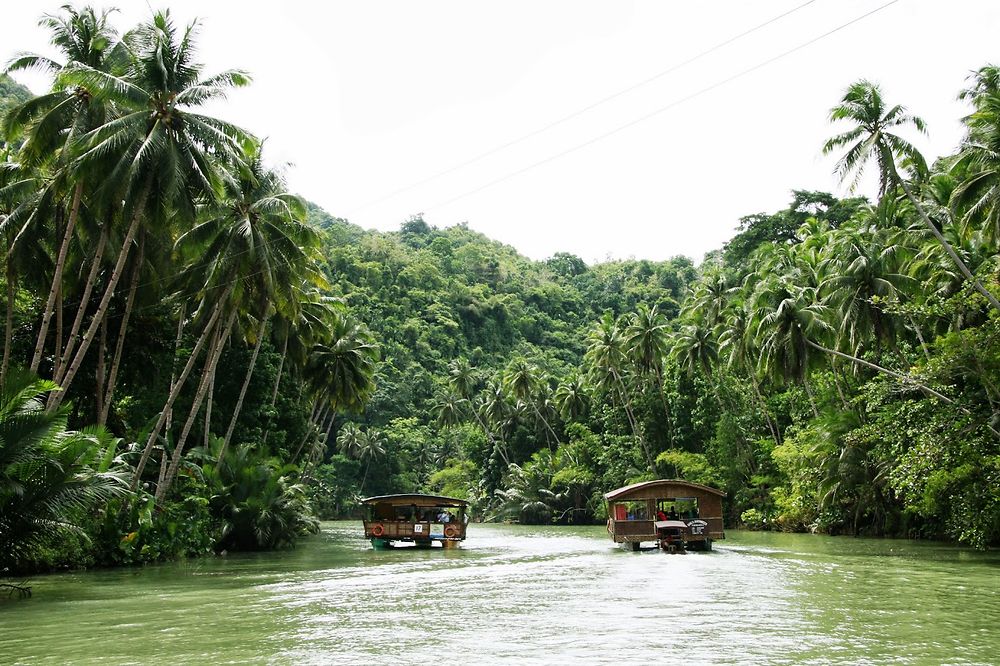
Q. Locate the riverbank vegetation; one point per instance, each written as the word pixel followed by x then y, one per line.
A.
pixel 212 363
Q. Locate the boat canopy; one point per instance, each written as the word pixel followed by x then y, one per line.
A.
pixel 659 488
pixel 414 499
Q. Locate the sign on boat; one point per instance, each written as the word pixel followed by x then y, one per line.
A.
pixel 413 518
pixel 677 515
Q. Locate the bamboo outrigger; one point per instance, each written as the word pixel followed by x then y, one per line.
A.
pixel 677 515
pixel 419 519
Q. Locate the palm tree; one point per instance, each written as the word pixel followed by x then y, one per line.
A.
pixel 977 196
pixel 865 269
pixel 349 439
pixel 162 156
pixel 52 123
pixel 872 138
pixel 522 381
pixel 259 230
pixel 572 398
pixel 736 342
pixel 50 478
pixel 463 379
pixel 605 359
pixel 372 446
pixel 647 343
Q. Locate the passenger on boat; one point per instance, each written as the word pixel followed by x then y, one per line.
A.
pixel 444 517
pixel 673 513
pixel 660 515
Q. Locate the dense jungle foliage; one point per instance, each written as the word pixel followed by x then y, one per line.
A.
pixel 197 360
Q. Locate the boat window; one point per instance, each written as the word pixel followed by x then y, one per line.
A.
pixel 634 510
pixel 677 508
pixel 382 511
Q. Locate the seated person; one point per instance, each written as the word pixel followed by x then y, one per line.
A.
pixel 444 517
pixel 660 515
pixel 673 513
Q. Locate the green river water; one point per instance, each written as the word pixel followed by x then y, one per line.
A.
pixel 525 595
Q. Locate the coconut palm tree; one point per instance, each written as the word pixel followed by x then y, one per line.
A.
pixel 572 398
pixel 522 380
pixel 647 344
pixel 162 157
pixel 872 139
pixel 977 196
pixel 864 269
pixel 50 125
pixel 606 360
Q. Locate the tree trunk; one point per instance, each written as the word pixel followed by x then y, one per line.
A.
pixel 58 396
pixel 243 389
pixel 636 429
pixel 546 423
pixel 944 243
pixel 920 337
pixel 175 461
pixel 906 379
pixel 99 372
pixel 63 356
pixel 122 329
pixel 57 277
pixel 281 367
pixel 173 360
pixel 274 391
pixel 666 408
pixel 176 390
pixel 209 400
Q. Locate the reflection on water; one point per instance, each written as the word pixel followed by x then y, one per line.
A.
pixel 517 594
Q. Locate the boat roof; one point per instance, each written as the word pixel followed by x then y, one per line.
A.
pixel 624 491
pixel 416 499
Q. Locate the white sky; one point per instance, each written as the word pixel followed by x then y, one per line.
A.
pixel 366 98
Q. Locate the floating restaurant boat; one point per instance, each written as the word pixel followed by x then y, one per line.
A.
pixel 677 515
pixel 418 519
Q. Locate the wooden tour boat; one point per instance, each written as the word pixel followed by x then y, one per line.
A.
pixel 677 515
pixel 418 519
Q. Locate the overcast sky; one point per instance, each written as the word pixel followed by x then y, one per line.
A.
pixel 370 102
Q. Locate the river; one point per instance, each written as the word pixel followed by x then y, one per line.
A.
pixel 525 595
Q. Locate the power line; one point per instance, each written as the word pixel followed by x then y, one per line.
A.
pixel 579 112
pixel 662 109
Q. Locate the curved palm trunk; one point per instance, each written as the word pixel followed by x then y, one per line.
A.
pixel 243 389
pixel 772 423
pixel 636 429
pixel 173 360
pixel 538 413
pixel 100 374
pixel 319 418
pixel 281 367
pixel 62 356
pixel 175 391
pixel 59 396
pixel 74 213
pixel 906 379
pixel 209 401
pixel 489 435
pixel 122 329
pixel 666 408
pixel 944 243
pixel 213 362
